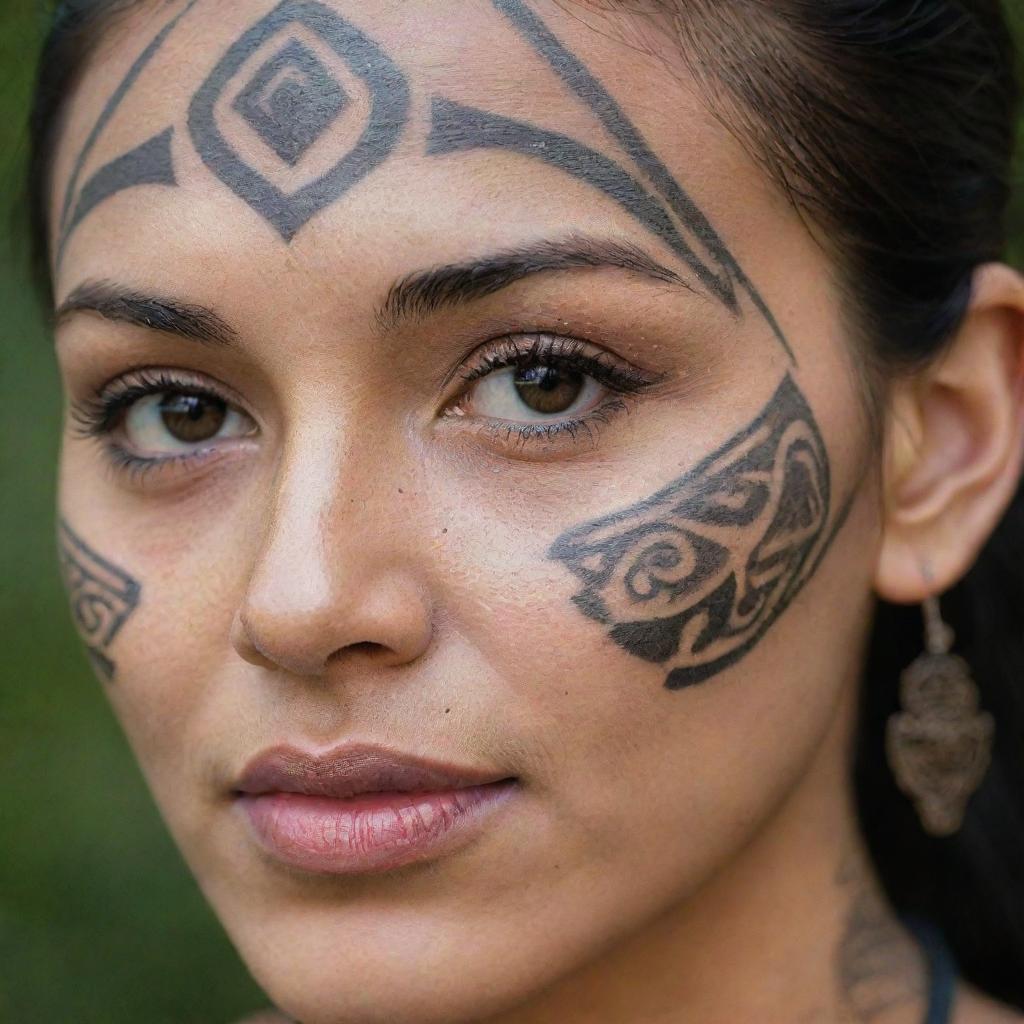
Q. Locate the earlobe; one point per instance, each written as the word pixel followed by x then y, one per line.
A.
pixel 955 445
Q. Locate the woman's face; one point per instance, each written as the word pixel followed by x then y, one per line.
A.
pixel 446 378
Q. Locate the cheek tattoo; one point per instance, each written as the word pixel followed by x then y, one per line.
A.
pixel 102 596
pixel 694 576
pixel 690 578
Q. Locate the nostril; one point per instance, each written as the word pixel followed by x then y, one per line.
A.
pixel 367 647
pixel 244 643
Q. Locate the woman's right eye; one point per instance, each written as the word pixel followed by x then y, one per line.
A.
pixel 176 422
pixel 151 417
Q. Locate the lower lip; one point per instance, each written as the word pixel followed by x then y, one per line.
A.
pixel 371 832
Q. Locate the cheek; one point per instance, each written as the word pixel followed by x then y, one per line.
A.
pixel 636 792
pixel 173 651
pixel 635 779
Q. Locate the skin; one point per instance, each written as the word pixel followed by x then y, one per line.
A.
pixel 376 554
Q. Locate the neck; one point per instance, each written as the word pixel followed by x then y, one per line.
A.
pixel 794 928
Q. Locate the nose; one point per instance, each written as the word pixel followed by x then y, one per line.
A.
pixel 335 579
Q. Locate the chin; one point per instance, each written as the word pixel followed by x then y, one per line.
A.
pixel 390 979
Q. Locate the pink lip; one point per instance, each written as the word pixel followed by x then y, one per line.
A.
pixel 362 807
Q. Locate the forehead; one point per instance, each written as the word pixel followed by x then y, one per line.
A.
pixel 409 124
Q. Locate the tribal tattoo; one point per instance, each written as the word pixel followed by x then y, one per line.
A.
pixel 681 213
pixel 290 102
pixel 690 578
pixel 102 596
pixel 878 968
pixel 150 163
pixel 693 577
pixel 289 98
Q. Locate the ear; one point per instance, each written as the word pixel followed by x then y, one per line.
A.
pixel 955 446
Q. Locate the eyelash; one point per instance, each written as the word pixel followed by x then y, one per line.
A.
pixel 98 417
pixel 136 468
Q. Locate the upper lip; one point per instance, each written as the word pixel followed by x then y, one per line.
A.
pixel 351 769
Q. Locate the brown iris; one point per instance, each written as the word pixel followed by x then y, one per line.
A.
pixel 192 418
pixel 548 389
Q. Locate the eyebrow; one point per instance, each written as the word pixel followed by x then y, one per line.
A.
pixel 125 305
pixel 417 295
pixel 429 291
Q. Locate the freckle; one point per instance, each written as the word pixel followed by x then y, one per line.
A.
pixel 400 491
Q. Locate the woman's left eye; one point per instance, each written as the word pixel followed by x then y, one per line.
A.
pixel 540 386
pixel 535 393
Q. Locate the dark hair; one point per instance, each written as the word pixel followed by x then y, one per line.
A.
pixel 890 123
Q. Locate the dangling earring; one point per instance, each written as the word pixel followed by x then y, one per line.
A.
pixel 940 745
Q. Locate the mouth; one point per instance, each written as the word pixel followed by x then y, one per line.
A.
pixel 363 808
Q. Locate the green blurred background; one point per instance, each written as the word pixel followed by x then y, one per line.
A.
pixel 100 922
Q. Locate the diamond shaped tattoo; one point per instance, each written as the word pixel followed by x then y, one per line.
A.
pixel 291 101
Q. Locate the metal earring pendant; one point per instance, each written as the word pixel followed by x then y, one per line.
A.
pixel 940 745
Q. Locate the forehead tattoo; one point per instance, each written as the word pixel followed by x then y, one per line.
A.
pixel 290 102
pixel 292 99
pixel 126 170
pixel 690 578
